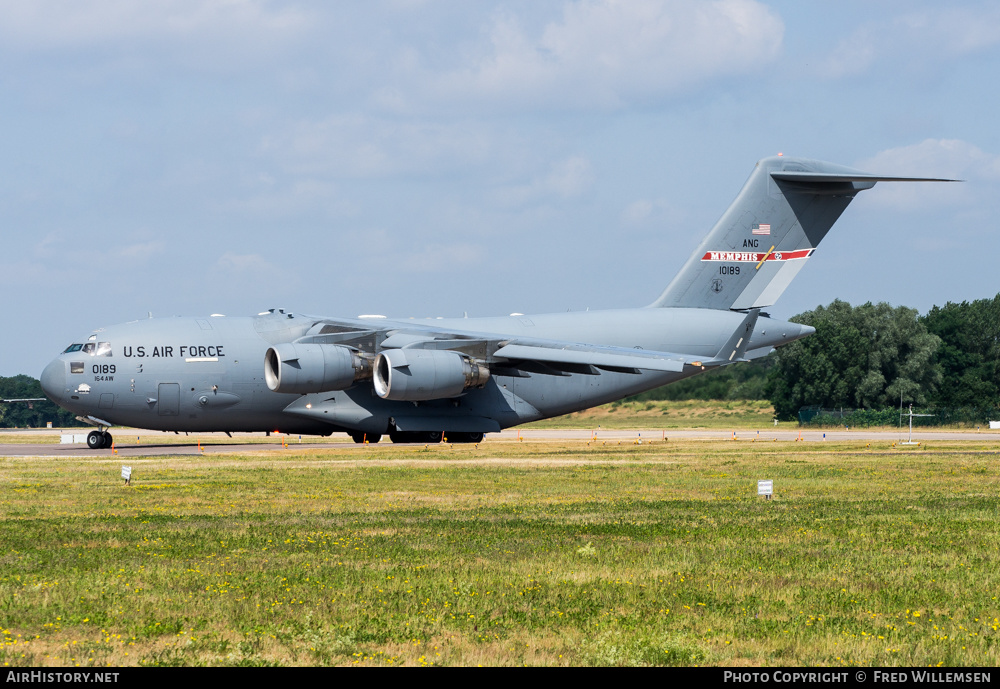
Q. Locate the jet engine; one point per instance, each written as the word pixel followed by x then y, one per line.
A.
pixel 415 375
pixel 304 368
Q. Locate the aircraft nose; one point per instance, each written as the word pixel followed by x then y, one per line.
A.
pixel 53 380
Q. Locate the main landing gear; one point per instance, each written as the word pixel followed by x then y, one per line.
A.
pixel 97 440
pixel 361 438
pixel 456 437
pixel 434 437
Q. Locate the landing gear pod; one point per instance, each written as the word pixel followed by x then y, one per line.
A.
pixel 305 368
pixel 415 375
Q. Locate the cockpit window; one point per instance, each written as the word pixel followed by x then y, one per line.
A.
pixel 89 348
pixel 73 348
pixel 103 349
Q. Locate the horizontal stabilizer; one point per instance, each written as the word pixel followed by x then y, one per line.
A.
pixel 799 176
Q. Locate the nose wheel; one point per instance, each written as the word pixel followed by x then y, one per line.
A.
pixel 97 440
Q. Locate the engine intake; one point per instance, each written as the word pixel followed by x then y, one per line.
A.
pixel 415 375
pixel 305 368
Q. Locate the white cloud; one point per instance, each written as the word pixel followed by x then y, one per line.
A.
pixel 55 247
pixel 20 273
pixel 50 246
pixel 406 56
pixel 565 179
pixel 919 38
pixel 953 30
pixel 140 252
pixel 637 212
pixel 107 41
pixel 246 263
pixel 937 157
pixel 609 52
pixel 442 257
pixel 411 252
pixel 948 158
pixel 265 198
pixel 46 24
pixel 853 55
pixel 251 278
pixel 570 177
pixel 353 145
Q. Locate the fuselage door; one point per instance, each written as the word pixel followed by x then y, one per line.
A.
pixel 169 399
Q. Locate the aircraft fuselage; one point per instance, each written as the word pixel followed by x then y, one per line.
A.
pixel 207 374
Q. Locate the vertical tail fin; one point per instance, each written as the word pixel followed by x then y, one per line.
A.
pixel 765 237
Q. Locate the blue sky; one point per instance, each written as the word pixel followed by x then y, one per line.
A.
pixel 429 158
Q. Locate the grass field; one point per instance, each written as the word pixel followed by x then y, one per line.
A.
pixel 648 415
pixel 655 415
pixel 714 414
pixel 539 553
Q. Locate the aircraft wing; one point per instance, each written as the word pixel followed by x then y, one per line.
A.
pixel 622 357
pixel 495 348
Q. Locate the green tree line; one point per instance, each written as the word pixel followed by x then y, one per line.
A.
pixel 30 414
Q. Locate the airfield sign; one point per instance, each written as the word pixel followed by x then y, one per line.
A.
pixel 766 488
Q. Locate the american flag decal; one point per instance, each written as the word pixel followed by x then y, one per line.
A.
pixel 762 228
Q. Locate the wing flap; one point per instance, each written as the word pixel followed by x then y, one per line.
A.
pixel 610 357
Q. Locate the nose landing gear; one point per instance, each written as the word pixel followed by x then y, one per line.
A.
pixel 97 440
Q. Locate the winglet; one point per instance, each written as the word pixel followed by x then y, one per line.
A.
pixel 736 346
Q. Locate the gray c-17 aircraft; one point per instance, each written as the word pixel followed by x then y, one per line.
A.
pixel 424 380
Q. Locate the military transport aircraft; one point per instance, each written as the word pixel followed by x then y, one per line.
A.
pixel 425 380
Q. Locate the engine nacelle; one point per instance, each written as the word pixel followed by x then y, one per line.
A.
pixel 415 375
pixel 305 368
